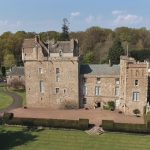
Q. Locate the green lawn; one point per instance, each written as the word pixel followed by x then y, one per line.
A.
pixel 5 100
pixel 18 139
pixel 21 93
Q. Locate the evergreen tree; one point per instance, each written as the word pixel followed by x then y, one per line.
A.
pixel 3 70
pixel 65 31
pixel 115 52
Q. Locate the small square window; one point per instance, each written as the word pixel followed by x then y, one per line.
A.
pixel 57 71
pixel 57 90
pixel 84 90
pixel 117 91
pixel 40 70
pixel 84 80
pixel 136 82
pixel 42 88
pixel 84 101
pixel 57 78
pixel 98 80
pixel 117 81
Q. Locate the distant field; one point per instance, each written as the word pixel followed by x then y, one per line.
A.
pixel 17 139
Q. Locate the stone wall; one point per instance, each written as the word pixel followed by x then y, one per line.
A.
pixel 107 86
pixel 55 94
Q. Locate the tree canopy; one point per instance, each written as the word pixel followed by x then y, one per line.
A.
pixel 95 42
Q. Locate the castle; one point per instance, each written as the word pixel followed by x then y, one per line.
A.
pixel 55 78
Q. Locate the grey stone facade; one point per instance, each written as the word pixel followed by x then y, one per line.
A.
pixel 55 79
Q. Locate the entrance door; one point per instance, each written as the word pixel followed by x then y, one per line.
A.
pixel 98 104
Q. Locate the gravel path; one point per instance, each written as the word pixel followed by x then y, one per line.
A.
pixel 17 101
pixel 95 116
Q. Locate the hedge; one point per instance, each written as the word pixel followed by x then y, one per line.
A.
pixel 81 124
pixel 110 125
pixel 7 116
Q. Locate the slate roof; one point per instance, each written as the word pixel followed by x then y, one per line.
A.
pixel 65 46
pixel 100 69
pixel 29 43
pixel 19 71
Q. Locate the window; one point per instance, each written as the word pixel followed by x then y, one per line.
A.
pixel 19 78
pixel 42 87
pixel 136 96
pixel 97 90
pixel 117 81
pixel 98 80
pixel 64 91
pixel 57 90
pixel 136 83
pixel 57 71
pixel 57 75
pixel 116 91
pixel 84 101
pixel 57 78
pixel 84 80
pixel 40 70
pixel 84 90
pixel 136 72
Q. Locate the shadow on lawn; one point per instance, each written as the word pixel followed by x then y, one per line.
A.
pixel 11 139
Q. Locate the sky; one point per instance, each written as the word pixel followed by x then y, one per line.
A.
pixel 47 15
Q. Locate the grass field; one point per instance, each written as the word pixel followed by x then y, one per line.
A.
pixel 18 139
pixel 5 100
pixel 21 93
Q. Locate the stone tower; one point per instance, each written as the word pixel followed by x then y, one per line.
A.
pixel 51 73
pixel 133 85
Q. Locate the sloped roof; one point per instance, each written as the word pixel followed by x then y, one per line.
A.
pixel 65 46
pixel 100 69
pixel 29 43
pixel 19 71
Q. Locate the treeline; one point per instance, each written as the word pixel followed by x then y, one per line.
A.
pixel 95 43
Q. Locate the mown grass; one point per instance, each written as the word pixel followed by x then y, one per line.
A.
pixel 5 100
pixel 19 139
pixel 21 93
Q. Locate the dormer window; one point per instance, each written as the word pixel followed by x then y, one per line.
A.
pixel 98 80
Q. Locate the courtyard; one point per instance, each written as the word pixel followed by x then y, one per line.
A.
pixel 95 116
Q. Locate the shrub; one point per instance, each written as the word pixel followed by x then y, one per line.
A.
pixel 81 124
pixel 70 105
pixel 16 84
pixel 111 105
pixel 110 125
pixel 133 128
pixel 136 112
pixel 7 116
pixel 120 112
pixel 106 107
